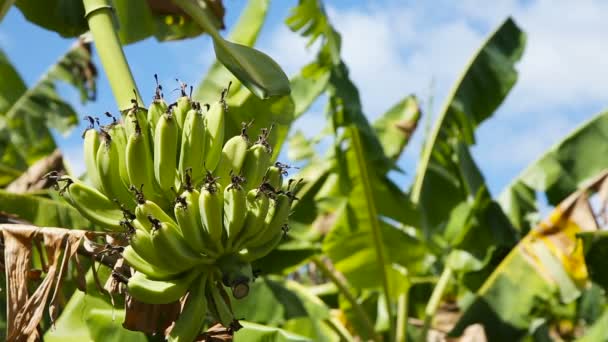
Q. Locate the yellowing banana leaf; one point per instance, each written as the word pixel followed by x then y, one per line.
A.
pixel 136 19
pixel 445 170
pixel 547 265
pixel 26 121
pixel 244 32
pixel 397 125
pixel 560 171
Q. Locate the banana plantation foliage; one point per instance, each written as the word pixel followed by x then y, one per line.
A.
pixel 187 225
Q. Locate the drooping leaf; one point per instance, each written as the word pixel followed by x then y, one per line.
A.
pixel 25 124
pixel 245 32
pixel 136 19
pixel 560 171
pixel 485 83
pixel 596 252
pixel 546 266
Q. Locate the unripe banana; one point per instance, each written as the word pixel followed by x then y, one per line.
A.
pixel 157 108
pixel 93 205
pixel 140 167
pixel 165 151
pixel 257 209
pixel 90 147
pixel 211 204
pixel 150 291
pixel 214 134
pixel 192 152
pixel 220 309
pixel 119 139
pixel 141 242
pixel 135 119
pixel 235 209
pixel 258 252
pixel 232 159
pixel 146 208
pixel 108 168
pixel 190 321
pixel 168 240
pixel 189 219
pixel 256 163
pixel 184 104
pixel 276 219
pixel 142 265
pixel 274 175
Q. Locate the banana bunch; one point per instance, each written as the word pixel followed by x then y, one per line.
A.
pixel 197 211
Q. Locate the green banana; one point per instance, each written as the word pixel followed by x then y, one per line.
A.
pixel 258 252
pixel 145 208
pixel 236 274
pixel 140 167
pixel 256 162
pixel 211 206
pixel 192 151
pixel 274 175
pixel 90 147
pixel 184 104
pixel 233 157
pixel 168 240
pixel 142 265
pixel 235 208
pixel 151 291
pixel 135 119
pixel 214 133
pixel 141 242
pixel 157 107
pixel 275 220
pixel 189 219
pixel 257 209
pixel 190 321
pixel 108 168
pixel 165 151
pixel 119 138
pixel 220 309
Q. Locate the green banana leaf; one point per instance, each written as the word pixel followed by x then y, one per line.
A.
pixel 395 127
pixel 596 253
pixel 257 332
pixel 41 211
pixel 136 19
pixel 599 330
pixel 245 32
pixel 558 172
pixel 446 169
pixel 27 116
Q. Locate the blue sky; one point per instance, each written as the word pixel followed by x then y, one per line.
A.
pixel 393 48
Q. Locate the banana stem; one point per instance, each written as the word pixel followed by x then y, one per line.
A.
pixel 101 24
pixel 343 288
pixel 402 315
pixel 434 301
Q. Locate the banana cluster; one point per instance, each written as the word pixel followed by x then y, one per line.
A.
pixel 197 211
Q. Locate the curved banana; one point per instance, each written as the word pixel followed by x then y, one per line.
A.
pixel 192 151
pixel 119 138
pixel 190 321
pixel 214 134
pixel 257 209
pixel 183 105
pixel 235 209
pixel 142 265
pixel 274 175
pixel 146 208
pixel 256 162
pixel 141 242
pixel 232 159
pixel 93 205
pixel 151 291
pixel 258 252
pixel 211 204
pixel 170 244
pixel 189 219
pixel 108 168
pixel 165 151
pixel 135 119
pixel 90 147
pixel 140 167
pixel 275 220
pixel 219 308
pixel 157 107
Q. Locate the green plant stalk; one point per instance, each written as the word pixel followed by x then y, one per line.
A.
pixel 375 227
pixel 100 16
pixel 343 288
pixel 434 301
pixel 402 316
